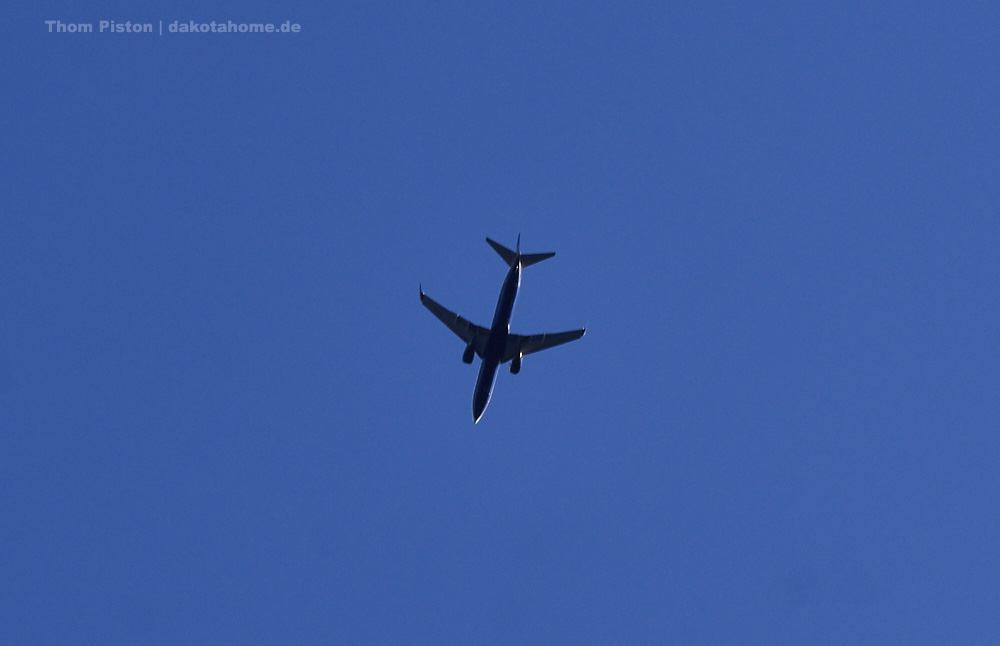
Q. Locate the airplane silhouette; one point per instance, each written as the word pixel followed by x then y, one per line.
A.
pixel 497 345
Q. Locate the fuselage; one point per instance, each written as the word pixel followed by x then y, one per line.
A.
pixel 497 342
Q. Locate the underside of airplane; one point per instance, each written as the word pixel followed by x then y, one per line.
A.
pixel 496 345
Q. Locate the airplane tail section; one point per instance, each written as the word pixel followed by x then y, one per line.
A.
pixel 531 258
pixel 510 257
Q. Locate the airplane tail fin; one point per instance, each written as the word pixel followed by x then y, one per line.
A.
pixel 510 257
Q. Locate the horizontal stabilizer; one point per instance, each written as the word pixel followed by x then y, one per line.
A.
pixel 529 259
pixel 508 256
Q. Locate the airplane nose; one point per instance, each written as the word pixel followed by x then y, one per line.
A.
pixel 479 404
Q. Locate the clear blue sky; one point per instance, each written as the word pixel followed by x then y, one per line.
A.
pixel 226 418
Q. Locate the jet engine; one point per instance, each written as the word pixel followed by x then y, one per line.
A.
pixel 515 365
pixel 468 354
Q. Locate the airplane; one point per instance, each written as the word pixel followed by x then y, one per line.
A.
pixel 496 344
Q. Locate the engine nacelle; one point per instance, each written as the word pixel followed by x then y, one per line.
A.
pixel 469 353
pixel 515 365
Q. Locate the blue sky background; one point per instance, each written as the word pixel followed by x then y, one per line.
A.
pixel 226 417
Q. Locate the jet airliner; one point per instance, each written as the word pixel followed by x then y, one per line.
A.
pixel 497 345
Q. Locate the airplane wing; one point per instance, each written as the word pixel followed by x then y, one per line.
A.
pixel 518 344
pixel 468 332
